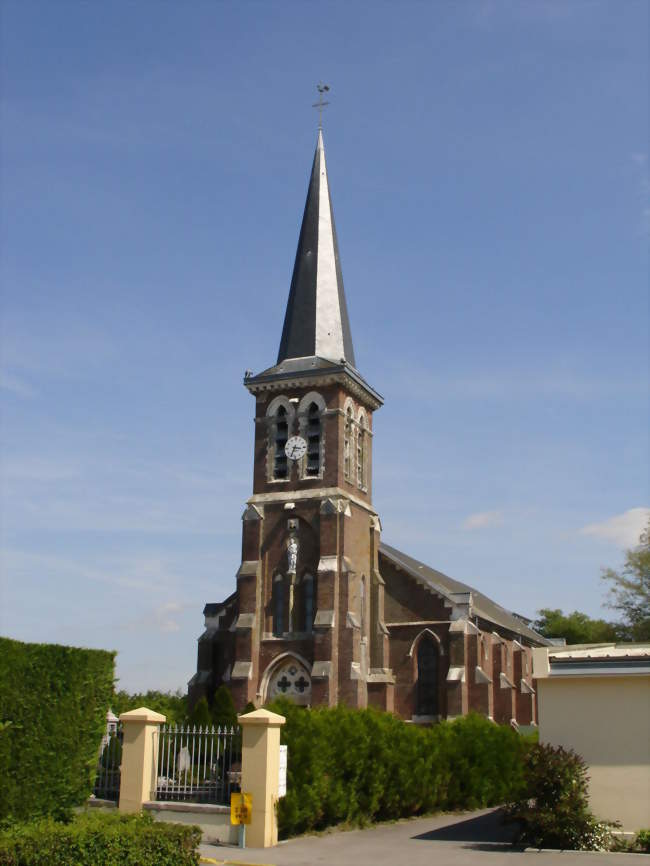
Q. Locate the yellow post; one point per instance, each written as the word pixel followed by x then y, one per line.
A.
pixel 260 770
pixel 139 758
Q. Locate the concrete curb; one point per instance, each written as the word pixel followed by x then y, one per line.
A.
pixel 214 862
pixel 579 851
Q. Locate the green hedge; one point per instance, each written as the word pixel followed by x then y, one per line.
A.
pixel 53 702
pixel 100 839
pixel 357 766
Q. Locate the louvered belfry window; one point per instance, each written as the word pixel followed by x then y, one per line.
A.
pixel 347 446
pixel 313 440
pixel 361 457
pixel 281 436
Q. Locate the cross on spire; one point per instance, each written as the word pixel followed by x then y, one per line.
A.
pixel 320 105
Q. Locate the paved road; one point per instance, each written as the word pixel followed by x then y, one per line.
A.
pixel 467 839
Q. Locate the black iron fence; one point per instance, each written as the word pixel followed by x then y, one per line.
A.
pixel 198 765
pixel 107 777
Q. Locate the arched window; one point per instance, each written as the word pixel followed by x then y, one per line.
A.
pixel 361 457
pixel 347 444
pixel 308 597
pixel 427 685
pixel 281 434
pixel 289 678
pixel 278 605
pixel 313 440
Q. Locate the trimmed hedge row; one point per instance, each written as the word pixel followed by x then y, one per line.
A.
pixel 101 839
pixel 357 766
pixel 53 702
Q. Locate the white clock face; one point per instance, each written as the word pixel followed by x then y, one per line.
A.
pixel 295 447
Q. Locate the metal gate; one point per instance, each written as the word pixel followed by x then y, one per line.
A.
pixel 107 777
pixel 198 765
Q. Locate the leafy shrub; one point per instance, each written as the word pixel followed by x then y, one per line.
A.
pixel 642 841
pixel 56 699
pixel 357 766
pixel 100 839
pixel 554 812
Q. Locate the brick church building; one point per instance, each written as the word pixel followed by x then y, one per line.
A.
pixel 324 612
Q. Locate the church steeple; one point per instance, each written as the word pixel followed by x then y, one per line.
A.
pixel 316 321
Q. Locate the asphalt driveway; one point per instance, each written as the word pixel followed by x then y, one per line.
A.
pixel 465 839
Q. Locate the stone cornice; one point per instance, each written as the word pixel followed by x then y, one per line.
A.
pixel 314 493
pixel 341 375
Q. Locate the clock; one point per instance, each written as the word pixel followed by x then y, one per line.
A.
pixel 295 448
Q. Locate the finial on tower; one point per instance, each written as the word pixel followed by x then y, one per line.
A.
pixel 320 105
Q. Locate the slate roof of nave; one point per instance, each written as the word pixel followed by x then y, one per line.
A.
pixel 481 605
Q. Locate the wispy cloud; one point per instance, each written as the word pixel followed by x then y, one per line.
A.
pixel 16 385
pixel 623 529
pixel 112 492
pixel 166 616
pixel 57 346
pixel 143 572
pixel 40 469
pixel 483 519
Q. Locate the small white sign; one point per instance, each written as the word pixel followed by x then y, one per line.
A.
pixel 282 775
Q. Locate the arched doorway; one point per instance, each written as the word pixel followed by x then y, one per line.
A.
pixel 426 703
pixel 290 679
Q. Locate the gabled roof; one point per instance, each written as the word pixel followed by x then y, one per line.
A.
pixel 480 605
pixel 316 322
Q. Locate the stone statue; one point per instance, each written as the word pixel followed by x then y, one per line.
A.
pixel 292 554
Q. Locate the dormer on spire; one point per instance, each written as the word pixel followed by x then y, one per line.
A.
pixel 316 321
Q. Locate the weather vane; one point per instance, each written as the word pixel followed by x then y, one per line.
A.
pixel 320 105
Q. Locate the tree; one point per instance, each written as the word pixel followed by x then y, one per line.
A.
pixel 172 704
pixel 629 593
pixel 200 715
pixel 224 714
pixel 576 627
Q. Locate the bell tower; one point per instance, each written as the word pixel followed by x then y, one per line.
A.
pixel 307 617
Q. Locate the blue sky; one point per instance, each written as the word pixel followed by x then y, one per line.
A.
pixel 489 175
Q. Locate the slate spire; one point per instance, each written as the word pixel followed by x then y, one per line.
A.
pixel 316 321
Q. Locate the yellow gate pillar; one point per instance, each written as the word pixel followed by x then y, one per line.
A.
pixel 260 770
pixel 139 758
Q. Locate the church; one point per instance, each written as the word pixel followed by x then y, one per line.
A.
pixel 324 612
